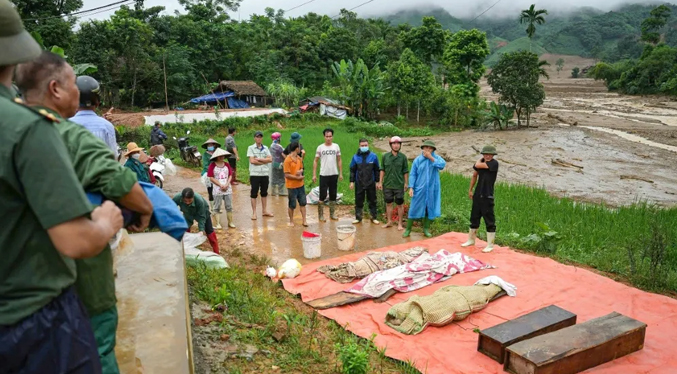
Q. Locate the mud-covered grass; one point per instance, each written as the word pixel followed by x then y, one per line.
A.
pixel 638 243
pixel 244 323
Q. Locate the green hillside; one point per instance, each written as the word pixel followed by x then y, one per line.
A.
pixel 515 45
pixel 586 32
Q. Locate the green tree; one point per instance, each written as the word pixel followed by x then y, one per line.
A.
pixel 560 65
pixel 44 18
pixel 652 26
pixel 427 41
pixel 516 79
pixel 575 72
pixel 532 17
pixel 464 58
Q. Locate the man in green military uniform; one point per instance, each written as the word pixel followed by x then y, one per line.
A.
pixel 48 84
pixel 47 222
pixel 395 176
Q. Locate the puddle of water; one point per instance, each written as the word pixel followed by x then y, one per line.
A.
pixel 273 238
pixel 633 138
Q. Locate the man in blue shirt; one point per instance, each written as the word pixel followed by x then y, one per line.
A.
pixel 89 101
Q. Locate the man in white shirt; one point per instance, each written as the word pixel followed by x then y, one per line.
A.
pixel 331 171
pixel 259 171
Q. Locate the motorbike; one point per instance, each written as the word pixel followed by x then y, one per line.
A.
pixel 159 166
pixel 189 153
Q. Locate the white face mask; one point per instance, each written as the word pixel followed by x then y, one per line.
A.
pixel 136 156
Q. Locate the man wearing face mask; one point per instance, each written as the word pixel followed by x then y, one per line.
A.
pixel 134 162
pixel 365 179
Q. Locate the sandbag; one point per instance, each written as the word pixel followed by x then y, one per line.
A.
pixel 195 256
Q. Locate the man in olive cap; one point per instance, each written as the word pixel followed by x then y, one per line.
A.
pixel 424 188
pixel 486 170
pixel 47 222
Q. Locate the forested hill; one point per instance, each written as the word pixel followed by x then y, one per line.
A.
pixel 588 32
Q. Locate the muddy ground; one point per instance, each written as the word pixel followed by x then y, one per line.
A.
pixel 583 125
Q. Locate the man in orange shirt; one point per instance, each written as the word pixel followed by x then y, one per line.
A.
pixel 293 174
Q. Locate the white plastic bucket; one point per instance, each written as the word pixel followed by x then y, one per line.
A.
pixel 312 247
pixel 346 237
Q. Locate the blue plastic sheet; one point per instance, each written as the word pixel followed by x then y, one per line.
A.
pixel 212 98
pixel 234 103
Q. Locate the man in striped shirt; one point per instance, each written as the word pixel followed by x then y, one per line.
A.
pixel 86 116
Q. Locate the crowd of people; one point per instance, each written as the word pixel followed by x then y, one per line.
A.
pixel 281 170
pixel 58 309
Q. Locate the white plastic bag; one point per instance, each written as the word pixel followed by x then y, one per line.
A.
pixel 289 269
pixel 194 256
pixel 170 169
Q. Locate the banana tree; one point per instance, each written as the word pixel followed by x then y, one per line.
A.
pixel 79 69
pixel 499 115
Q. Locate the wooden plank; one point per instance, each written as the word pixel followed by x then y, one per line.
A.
pixel 494 340
pixel 577 348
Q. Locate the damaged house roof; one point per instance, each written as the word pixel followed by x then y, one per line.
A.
pixel 242 88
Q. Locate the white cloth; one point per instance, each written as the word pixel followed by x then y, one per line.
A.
pixel 328 160
pixel 260 153
pixel 313 198
pixel 425 270
pixel 510 289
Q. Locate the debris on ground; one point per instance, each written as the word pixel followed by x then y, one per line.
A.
pixel 635 177
pixel 563 163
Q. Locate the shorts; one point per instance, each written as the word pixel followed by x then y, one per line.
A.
pixel 58 338
pixel 233 163
pixel 227 201
pixel 391 195
pixel 296 194
pixel 329 182
pixel 259 184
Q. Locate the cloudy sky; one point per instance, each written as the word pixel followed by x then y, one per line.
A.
pixel 458 8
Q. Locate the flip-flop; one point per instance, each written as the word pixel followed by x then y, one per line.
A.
pixel 253 218
pixel 268 215
pixel 305 225
pixel 290 225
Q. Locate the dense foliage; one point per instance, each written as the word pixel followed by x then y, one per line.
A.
pixel 374 68
pixel 588 32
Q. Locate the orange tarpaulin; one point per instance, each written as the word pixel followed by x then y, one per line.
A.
pixel 540 282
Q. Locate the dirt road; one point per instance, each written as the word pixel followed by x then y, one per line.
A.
pixel 271 236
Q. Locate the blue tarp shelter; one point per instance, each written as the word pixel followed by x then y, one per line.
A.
pixel 212 98
pixel 234 103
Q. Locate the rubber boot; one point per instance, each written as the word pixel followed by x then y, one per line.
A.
pixel 320 212
pixel 283 190
pixel 426 228
pixel 407 232
pixel 358 216
pixel 216 218
pixel 332 211
pixel 490 242
pixel 231 224
pixel 213 242
pixel 471 238
pixel 274 192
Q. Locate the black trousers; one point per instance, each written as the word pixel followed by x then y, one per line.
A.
pixel 210 191
pixel 330 183
pixel 483 207
pixel 209 226
pixel 360 194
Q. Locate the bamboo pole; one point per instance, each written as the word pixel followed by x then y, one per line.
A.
pixel 164 68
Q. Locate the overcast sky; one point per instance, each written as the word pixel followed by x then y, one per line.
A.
pixel 458 8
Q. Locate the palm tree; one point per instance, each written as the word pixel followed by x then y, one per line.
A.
pixel 532 17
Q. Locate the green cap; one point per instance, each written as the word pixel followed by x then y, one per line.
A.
pixel 16 44
pixel 295 137
pixel 429 143
pixel 489 150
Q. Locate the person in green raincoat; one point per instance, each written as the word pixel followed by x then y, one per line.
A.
pixel 424 188
pixel 133 154
pixel 48 84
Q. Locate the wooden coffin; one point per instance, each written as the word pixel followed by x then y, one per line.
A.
pixel 494 340
pixel 577 348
